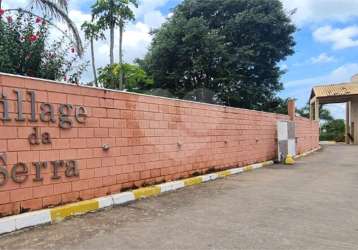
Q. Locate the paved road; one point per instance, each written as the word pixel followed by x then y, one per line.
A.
pixel 311 206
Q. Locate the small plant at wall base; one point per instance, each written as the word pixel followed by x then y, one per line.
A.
pixel 25 49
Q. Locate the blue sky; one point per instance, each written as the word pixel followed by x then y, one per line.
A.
pixel 326 50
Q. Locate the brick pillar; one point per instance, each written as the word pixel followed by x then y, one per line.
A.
pixel 291 109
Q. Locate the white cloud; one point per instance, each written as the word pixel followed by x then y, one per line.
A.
pixel 301 89
pixel 340 38
pixel 146 6
pixel 14 4
pixel 338 110
pixel 311 11
pixel 154 19
pixel 283 66
pixel 338 75
pixel 322 58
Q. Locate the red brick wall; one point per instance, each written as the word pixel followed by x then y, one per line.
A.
pixel 151 140
pixel 307 134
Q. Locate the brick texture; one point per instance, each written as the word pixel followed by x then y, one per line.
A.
pixel 151 140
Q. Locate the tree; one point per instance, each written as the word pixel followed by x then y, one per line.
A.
pixel 324 113
pixel 104 10
pixel 135 79
pixel 112 13
pixel 57 9
pixel 92 33
pixel 231 47
pixel 333 130
pixel 25 50
pixel 125 14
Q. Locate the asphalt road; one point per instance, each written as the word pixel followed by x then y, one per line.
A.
pixel 313 205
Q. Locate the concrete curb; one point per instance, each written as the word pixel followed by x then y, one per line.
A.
pixel 307 153
pixel 48 216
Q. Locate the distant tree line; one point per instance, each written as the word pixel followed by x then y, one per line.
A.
pixel 331 129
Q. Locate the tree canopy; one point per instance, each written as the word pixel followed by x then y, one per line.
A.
pixel 230 47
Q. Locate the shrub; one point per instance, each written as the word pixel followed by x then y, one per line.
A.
pixel 27 49
pixel 135 78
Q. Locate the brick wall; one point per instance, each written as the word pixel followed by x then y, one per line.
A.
pixel 151 140
pixel 307 135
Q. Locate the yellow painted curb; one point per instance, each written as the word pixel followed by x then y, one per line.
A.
pixel 10 224
pixel 223 174
pixel 307 153
pixel 267 163
pixel 193 181
pixel 61 213
pixel 248 168
pixel 146 192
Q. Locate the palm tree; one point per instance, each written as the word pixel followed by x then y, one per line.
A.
pixel 125 14
pixel 105 10
pixel 112 13
pixel 92 33
pixel 57 9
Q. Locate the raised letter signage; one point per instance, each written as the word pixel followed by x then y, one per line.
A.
pixel 67 116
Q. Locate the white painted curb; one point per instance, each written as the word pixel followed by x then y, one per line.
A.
pixel 37 218
pixel 307 153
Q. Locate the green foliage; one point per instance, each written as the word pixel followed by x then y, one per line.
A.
pixel 135 79
pixel 24 50
pixel 56 9
pixel 109 14
pixel 113 12
pixel 333 130
pixel 230 47
pixel 277 105
pixel 324 113
pixel 92 31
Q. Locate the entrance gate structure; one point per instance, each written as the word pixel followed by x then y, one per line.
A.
pixel 339 93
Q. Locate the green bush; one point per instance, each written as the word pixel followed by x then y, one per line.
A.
pixel 135 78
pixel 26 49
pixel 333 130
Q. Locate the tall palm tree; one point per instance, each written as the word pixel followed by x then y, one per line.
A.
pixel 92 33
pixel 125 14
pixel 110 14
pixel 57 9
pixel 105 12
